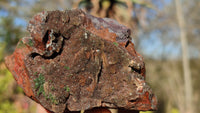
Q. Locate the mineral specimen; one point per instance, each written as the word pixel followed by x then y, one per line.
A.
pixel 73 61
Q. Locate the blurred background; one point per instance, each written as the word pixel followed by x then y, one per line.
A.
pixel 165 32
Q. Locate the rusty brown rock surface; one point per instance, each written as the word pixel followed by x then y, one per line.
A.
pixel 73 61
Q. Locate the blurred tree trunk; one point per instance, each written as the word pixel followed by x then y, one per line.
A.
pixel 185 57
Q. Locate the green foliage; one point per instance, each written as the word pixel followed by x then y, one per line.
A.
pixel 52 88
pixel 18 90
pixel 7 91
pixel 7 107
pixel 43 67
pixel 30 42
pixel 174 110
pixel 53 99
pixel 39 84
pixel 50 81
pixel 9 33
pixel 5 79
pixel 66 67
pixel 35 73
pixel 115 43
pixel 2 48
pixel 67 89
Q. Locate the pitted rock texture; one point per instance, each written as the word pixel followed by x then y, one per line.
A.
pixel 73 61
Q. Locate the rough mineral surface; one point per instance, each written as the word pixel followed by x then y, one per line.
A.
pixel 73 61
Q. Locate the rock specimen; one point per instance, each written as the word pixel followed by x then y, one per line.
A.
pixel 73 61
